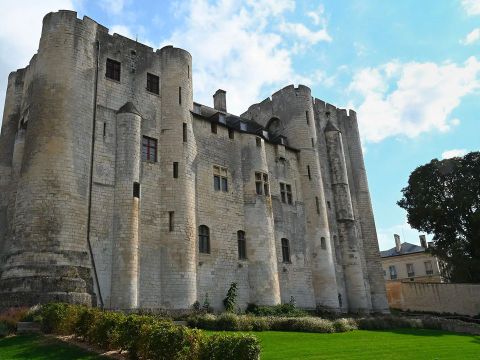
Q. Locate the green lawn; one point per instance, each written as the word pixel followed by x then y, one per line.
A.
pixel 390 345
pixel 35 347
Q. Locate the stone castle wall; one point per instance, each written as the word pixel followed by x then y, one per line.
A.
pixel 71 227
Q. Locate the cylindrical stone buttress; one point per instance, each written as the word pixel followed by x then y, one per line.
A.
pixel 179 280
pixel 295 107
pixel 354 279
pixel 259 224
pixel 124 293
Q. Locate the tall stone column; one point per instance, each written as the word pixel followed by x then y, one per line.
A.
pixel 354 280
pixel 124 293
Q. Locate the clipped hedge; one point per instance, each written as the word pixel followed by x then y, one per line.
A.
pixel 145 336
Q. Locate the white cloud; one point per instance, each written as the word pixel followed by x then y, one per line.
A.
pixel 20 30
pixel 453 153
pixel 472 7
pixel 411 98
pixel 317 15
pixel 407 234
pixel 122 30
pixel 113 6
pixel 472 36
pixel 305 34
pixel 237 49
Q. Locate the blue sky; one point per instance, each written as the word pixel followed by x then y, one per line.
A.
pixel 410 68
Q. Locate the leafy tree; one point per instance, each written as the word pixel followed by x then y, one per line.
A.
pixel 230 300
pixel 443 198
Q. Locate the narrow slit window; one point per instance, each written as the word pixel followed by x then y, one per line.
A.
pixel 317 204
pixel 323 243
pixel 185 129
pixel 213 127
pixel 180 95
pixel 329 205
pixel 188 71
pixel 285 250
pixel 242 245
pixel 308 172
pixel 104 129
pixel 136 190
pixel 231 133
pixel 175 170
pixel 306 115
pixel 171 215
pixel 313 143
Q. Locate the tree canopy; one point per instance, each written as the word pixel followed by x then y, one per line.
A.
pixel 443 198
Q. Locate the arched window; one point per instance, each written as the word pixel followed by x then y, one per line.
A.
pixel 323 243
pixel 204 239
pixel 242 245
pixel 285 250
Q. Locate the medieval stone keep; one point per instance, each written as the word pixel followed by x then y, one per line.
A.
pixel 117 189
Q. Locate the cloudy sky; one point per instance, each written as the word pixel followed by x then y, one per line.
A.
pixel 410 68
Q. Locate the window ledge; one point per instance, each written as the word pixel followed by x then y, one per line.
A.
pixel 152 93
pixel 112 80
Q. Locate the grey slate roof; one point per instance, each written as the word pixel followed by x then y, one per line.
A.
pixel 406 249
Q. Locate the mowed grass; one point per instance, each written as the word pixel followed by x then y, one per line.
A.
pixel 392 345
pixel 36 347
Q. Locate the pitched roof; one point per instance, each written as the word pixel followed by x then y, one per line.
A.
pixel 405 249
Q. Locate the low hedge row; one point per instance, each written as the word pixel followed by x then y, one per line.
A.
pixel 232 322
pixel 145 336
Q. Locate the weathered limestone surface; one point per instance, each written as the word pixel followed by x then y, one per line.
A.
pixel 72 229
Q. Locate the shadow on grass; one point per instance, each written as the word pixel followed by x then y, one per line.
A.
pixel 430 333
pixel 35 347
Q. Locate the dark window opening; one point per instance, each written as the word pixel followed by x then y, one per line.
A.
pixel 188 71
pixel 306 115
pixel 153 83
pixel 220 178
pixel 393 272
pixel 410 270
pixel 213 127
pixel 242 245
pixel 180 96
pixel 113 70
pixel 317 203
pixel 185 129
pixel 204 239
pixel 329 205
pixel 308 171
pixel 175 170
pixel 259 141
pixel 313 143
pixel 286 193
pixel 149 149
pixel 261 184
pixel 323 243
pixel 104 129
pixel 285 250
pixel 231 134
pixel 171 215
pixel 136 190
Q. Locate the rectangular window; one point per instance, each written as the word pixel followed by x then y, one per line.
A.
pixel 180 96
pixel 175 170
pixel 308 172
pixel 171 215
pixel 136 190
pixel 153 82
pixel 428 268
pixel 104 129
pixel 242 245
pixel 306 115
pixel 317 204
pixel 149 149
pixel 285 250
pixel 393 272
pixel 323 243
pixel 261 184
pixel 313 143
pixel 220 178
pixel 231 133
pixel 213 127
pixel 243 126
pixel 185 129
pixel 286 193
pixel 113 70
pixel 410 270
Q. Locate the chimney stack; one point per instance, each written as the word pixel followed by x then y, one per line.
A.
pixel 398 244
pixel 423 241
pixel 220 100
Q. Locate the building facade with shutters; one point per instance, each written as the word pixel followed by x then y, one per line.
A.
pixel 117 189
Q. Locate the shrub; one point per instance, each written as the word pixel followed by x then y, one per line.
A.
pixel 129 333
pixel 344 325
pixel 10 317
pixel 205 321
pixel 228 322
pixel 276 310
pixel 230 300
pixel 60 318
pixel 304 324
pixel 105 331
pixel 388 322
pixel 231 347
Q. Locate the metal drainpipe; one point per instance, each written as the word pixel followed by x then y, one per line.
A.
pixel 89 217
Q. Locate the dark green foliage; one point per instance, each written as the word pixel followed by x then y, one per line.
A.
pixel 196 305
pixel 443 198
pixel 231 347
pixel 230 301
pixel 277 310
pixel 59 318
